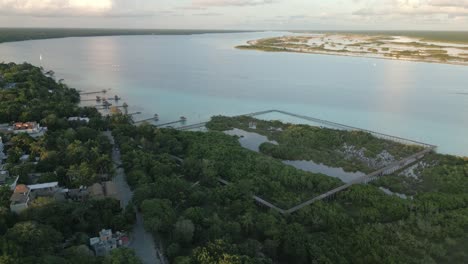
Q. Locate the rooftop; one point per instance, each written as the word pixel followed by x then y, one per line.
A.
pixel 23 126
pixel 75 118
pixel 21 188
pixel 18 198
pixel 96 190
pixel 43 186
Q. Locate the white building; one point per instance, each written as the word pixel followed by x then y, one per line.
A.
pixel 2 153
pixel 79 119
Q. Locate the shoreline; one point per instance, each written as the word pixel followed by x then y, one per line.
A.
pixel 244 47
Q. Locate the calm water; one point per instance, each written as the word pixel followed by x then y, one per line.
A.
pixel 324 169
pixel 249 140
pixel 202 75
pixel 252 141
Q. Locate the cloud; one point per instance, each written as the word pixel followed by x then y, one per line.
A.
pixel 75 8
pixel 221 3
pixel 208 14
pixel 31 7
pixel 415 8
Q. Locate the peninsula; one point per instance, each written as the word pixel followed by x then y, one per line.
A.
pixel 410 48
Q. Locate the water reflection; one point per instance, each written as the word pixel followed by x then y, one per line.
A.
pixel 249 140
pixel 401 195
pixel 313 167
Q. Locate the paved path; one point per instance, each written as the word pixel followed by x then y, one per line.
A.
pixel 142 241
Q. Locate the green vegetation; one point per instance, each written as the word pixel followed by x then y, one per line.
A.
pixel 321 145
pixel 255 47
pixel 175 178
pixel 202 221
pixel 72 153
pixel 440 36
pixel 19 34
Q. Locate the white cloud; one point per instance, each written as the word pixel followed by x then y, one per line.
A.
pixel 78 8
pixel 231 2
pixel 421 8
pixel 54 7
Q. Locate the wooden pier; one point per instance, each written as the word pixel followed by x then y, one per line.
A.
pixel 170 123
pixel 94 92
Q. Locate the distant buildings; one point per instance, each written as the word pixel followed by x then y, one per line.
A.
pixel 107 241
pixel 20 199
pixel 24 194
pixel 2 153
pixel 31 128
pixel 78 119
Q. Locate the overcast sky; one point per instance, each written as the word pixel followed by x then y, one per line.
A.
pixel 238 14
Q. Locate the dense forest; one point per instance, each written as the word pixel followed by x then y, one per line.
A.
pixel 72 153
pixel 175 177
pixel 320 144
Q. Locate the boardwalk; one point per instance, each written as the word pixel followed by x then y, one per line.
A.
pixel 258 199
pixel 395 166
pixel 391 168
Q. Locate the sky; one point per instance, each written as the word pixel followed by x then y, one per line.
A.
pixel 238 14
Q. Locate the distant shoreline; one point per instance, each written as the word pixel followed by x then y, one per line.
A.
pixel 25 34
pixel 400 48
pixel 355 56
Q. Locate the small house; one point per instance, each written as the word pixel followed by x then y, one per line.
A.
pixel 20 199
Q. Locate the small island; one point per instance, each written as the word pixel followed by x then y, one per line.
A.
pixel 371 46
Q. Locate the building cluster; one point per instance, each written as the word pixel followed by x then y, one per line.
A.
pixel 33 129
pixel 78 119
pixel 107 241
pixel 23 194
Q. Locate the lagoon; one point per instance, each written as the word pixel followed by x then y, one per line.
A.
pixel 198 76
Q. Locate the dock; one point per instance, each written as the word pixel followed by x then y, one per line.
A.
pixel 170 123
pixel 154 118
pixel 93 92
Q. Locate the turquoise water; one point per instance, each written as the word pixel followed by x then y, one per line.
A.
pixel 199 76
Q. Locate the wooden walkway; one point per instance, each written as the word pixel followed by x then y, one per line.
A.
pixel 258 199
pixel 393 167
pixel 170 123
pixel 389 169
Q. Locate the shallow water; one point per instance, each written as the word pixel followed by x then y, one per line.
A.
pixel 199 76
pixel 324 169
pixel 249 140
pixel 388 192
